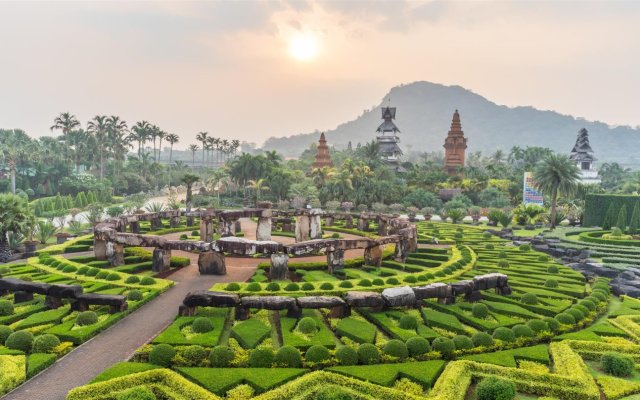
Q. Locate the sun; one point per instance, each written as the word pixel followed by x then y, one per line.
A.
pixel 303 47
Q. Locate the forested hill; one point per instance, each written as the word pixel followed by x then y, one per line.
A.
pixel 424 113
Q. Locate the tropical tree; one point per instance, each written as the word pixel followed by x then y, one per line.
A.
pixel 172 138
pixel 13 215
pixel 217 180
pixel 202 138
pixel 141 132
pixel 556 175
pixel 189 180
pixel 67 122
pixel 193 148
pixel 258 186
pixel 119 141
pixel 13 148
pixel 98 127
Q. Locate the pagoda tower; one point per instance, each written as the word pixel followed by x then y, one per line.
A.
pixel 322 155
pixel 582 155
pixel 388 138
pixel 454 146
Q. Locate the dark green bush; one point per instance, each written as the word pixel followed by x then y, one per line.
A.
pixel 326 286
pixel 525 247
pixel 364 283
pixel 6 308
pixel 232 287
pixel 537 325
pixel 529 298
pixel 479 310
pixel 522 330
pixel 396 348
pixel 444 345
pixel 93 272
pixel 588 304
pixel 418 346
pixel 553 323
pixel 346 356
pixel 377 282
pixel 20 340
pixel 504 334
pixel 69 268
pixel 288 356
pixel 261 358
pixel 552 269
pixel 317 354
pixel 162 354
pixel 254 287
pixel 503 264
pixel 102 274
pixel 113 277
pixel 482 339
pixel 617 364
pixel 410 279
pixel 202 325
pixel 307 286
pixel 490 246
pixel 5 331
pixel 576 314
pixel 86 318
pixel 194 355
pixel 221 356
pixel 368 354
pixel 83 270
pixel 408 322
pixel 551 283
pixel 493 388
pixel 543 258
pixel 393 281
pixel 462 342
pixel 273 287
pixel 502 254
pixel 346 284
pixel 565 319
pixel 147 280
pixel 307 325
pixel 45 343
pixel 292 287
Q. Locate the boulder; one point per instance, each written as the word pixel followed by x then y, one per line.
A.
pixel 399 296
pixel 212 263
pixel 433 291
pixel 365 299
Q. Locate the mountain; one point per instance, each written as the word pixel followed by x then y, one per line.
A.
pixel 424 112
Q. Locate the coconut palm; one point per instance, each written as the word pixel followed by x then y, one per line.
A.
pixel 67 122
pixel 556 175
pixel 189 180
pixel 140 133
pixel 202 138
pixel 161 135
pixel 13 149
pixel 172 138
pixel 193 148
pixel 13 215
pixel 217 180
pixel 259 186
pixel 98 127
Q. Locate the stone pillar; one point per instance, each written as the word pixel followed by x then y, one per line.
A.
pixel 263 230
pixel 302 228
pixel 340 311
pixel 206 230
pixel 335 260
pixel 100 249
pixel 212 263
pixel 190 221
pixel 156 223
pixel 279 267
pixel 135 226
pixel 237 227
pixel 287 225
pixel 242 313
pixel 174 222
pixel 373 256
pixel 329 220
pixel 52 303
pixel 447 300
pixel 413 240
pixel 349 222
pixel 383 227
pixel 315 226
pixel 473 297
pixel 185 311
pixel 401 249
pixel 115 254
pixel 225 228
pixel 363 224
pixel 161 260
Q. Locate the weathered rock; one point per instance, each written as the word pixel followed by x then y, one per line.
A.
pixel 335 260
pixel 373 256
pixel 474 296
pixel 115 254
pixel 279 269
pixel 65 291
pixel 22 297
pixel 14 285
pixel 263 229
pixel 320 302
pixel 204 298
pixel 268 302
pixel 302 228
pixel 399 296
pixel 462 287
pixel 595 269
pixel 433 291
pixel 100 249
pixel 212 263
pixel 315 225
pixel 52 303
pixel 161 260
pixel 365 299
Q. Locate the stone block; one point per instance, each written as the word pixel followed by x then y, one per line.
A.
pixel 22 297
pixel 365 299
pixel 212 263
pixel 279 269
pixel 263 229
pixel 373 256
pixel 161 260
pixel 399 297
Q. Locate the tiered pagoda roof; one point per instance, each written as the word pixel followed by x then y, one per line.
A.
pixel 323 159
pixel 388 138
pixel 454 146
pixel 582 150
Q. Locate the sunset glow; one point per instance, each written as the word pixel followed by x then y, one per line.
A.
pixel 303 47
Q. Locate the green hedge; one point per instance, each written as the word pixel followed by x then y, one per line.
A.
pixel 597 205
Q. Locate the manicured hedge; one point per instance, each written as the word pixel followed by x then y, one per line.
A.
pixel 597 205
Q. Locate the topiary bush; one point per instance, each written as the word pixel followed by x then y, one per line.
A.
pixel 45 343
pixel 377 281
pixel 617 364
pixel 346 356
pixel 504 334
pixel 93 271
pixel 273 287
pixel 194 355
pixel 502 254
pixel 221 356
pixel 529 298
pixel 261 358
pixel 368 354
pixel 102 274
pixel 444 345
pixel 83 270
pixel 551 283
pixel 537 325
pixel 482 339
pixel 490 246
pixel 86 318
pixel 6 308
pixel 307 325
pixel 232 287
pixel 69 268
pixel 288 356
pixel 346 284
pixel 396 348
pixel 135 295
pixel 132 279
pixel 576 314
pixel 408 322
pixel 162 354
pixel 202 325
pixel 147 280
pixel 292 287
pixel 503 264
pixel 522 330
pixel 137 393
pixel 493 388
pixel 462 342
pixel 307 286
pixel 543 258
pixel 5 331
pixel 254 287
pixel 524 247
pixel 552 323
pixel 588 304
pixel 552 269
pixel 410 279
pixel 316 354
pixel 365 283
pixel 480 310
pixel 20 340
pixel 565 319
pixel 418 346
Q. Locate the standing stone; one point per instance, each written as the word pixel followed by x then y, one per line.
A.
pixel 225 227
pixel 263 230
pixel 363 224
pixel 401 250
pixel 100 249
pixel 206 230
pixel 237 227
pixel 115 254
pixel 383 227
pixel 335 260
pixel 373 256
pixel 174 222
pixel 315 225
pixel 190 221
pixel 329 220
pixel 279 267
pixel 156 223
pixel 302 228
pixel 135 226
pixel 348 222
pixel 161 260
pixel 412 245
pixel 287 225
pixel 212 263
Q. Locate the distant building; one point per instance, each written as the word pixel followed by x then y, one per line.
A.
pixel 322 155
pixel 454 147
pixel 388 138
pixel 582 155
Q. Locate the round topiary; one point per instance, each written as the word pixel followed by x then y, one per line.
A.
pixel 69 268
pixel 317 354
pixel 254 287
pixel 490 246
pixel 6 308
pixel 83 270
pixel 480 310
pixel 522 330
pixel 444 345
pixel 292 287
pixel 102 274
pixel 600 296
pixel 617 364
pixel 135 295
pixel 504 334
pixel 410 279
pixel 503 264
pixel 346 356
pixel 289 356
pixel 326 286
pixel 588 304
pixel 565 319
pixel 502 254
pixel 273 287
pixel 307 325
pixel 147 280
pixel 482 339
pixel 552 323
pixel 86 318
pixel 20 340
pixel 486 235
pixel 221 356
pixel 137 393
pixel 417 346
pixel 408 322
pixel 194 355
pixel 529 298
pixel 462 342
pixel 377 281
pixel 551 283
pixel 45 343
pixel 396 348
pixel 261 358
pixel 162 354
pixel 493 388
pixel 307 286
pixel 368 354
pixel 537 325
pixel 93 271
pixel 525 247
pixel 552 269
pixel 232 287
pixel 202 325
pixel 393 281
pixel 5 331
pixel 576 313
pixel 543 258
pixel 364 283
pixel 132 279
pixel 346 284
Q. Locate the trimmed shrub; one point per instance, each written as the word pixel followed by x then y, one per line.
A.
pixel 83 270
pixel 137 393
pixel 102 274
pixel 273 287
pixel 444 345
pixel 482 339
pixel 332 392
pixel 135 295
pixel 522 330
pixel 288 356
pixel 132 279
pixel 588 304
pixel 5 331
pixel 69 268
pixel 326 286
pixel 346 284
pixel 504 334
pixel 396 348
pixel 529 298
pixel 462 342
pixel 147 280
pixel 408 322
pixel 543 258
pixel 502 254
pixel 307 325
pixel 368 354
pixel 493 388
pixel 410 279
pixel 553 324
pixel 537 325
pixel 490 246
pixel 45 343
pixel 552 269
pixel 202 325
pixel 551 283
pixel 162 354
pixel 347 356
pixel 317 354
pixel 617 364
pixel 194 355
pixel 261 358
pixel 364 283
pixel 232 287
pixel 525 247
pixel 565 319
pixel 6 308
pixel 93 271
pixel 221 356
pixel 418 346
pixel 503 264
pixel 393 281
pixel 377 282
pixel 86 318
pixel 20 340
pixel 254 287
pixel 575 313
pixel 113 277
pixel 479 310
pixel 307 286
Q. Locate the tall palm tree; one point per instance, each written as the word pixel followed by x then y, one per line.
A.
pixel 217 179
pixel 118 138
pixel 66 122
pixel 140 133
pixel 161 135
pixel 172 138
pixel 202 138
pixel 235 145
pixel 153 133
pixel 556 175
pixel 225 147
pixel 216 143
pixel 13 215
pixel 189 180
pixel 193 148
pixel 14 148
pixel 98 127
pixel 259 186
pixel 211 145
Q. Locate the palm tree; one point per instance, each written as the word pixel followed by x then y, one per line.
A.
pixel 193 148
pixel 66 122
pixel 217 145
pixel 99 128
pixel 556 175
pixel 202 137
pixel 189 180
pixel 13 148
pixel 217 180
pixel 118 140
pixel 161 135
pixel 259 186
pixel 13 215
pixel 235 145
pixel 225 147
pixel 140 133
pixel 172 138
pixel 153 133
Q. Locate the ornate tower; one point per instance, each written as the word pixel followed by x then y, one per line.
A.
pixel 322 156
pixel 582 155
pixel 388 138
pixel 454 146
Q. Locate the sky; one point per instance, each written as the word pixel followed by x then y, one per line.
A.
pixel 250 70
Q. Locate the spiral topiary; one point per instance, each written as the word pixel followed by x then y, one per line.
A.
pixel 162 354
pixel 45 343
pixel 202 325
pixel 482 339
pixel 288 356
pixel 408 322
pixel 396 348
pixel 261 358
pixel 86 318
pixel 346 356
pixel 221 356
pixel 368 354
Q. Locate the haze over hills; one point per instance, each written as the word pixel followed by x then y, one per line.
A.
pixel 424 112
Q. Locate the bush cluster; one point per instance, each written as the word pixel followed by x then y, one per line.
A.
pixel 368 354
pixel 86 318
pixel 221 356
pixel 202 325
pixel 288 356
pixel 162 354
pixel 45 343
pixel 396 348
pixel 493 388
pixel 261 358
pixel 480 310
pixel 316 354
pixel 617 364
pixel 20 340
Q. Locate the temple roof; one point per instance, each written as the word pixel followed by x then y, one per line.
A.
pixel 582 142
pixel 388 114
